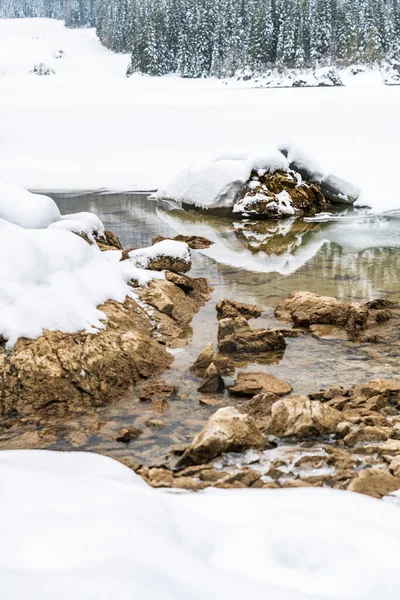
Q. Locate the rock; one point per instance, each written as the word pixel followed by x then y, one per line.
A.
pixel 212 382
pixel 160 257
pixel 394 466
pixel 250 384
pixel 75 371
pixel 232 309
pixel 195 242
pixel 390 448
pixel 210 401
pixel 236 336
pixel 388 388
pixel 185 283
pixel 259 407
pixel 300 417
pixel 156 389
pixel 227 430
pixel 328 332
pixel 374 482
pixel 204 359
pixel 156 297
pixel 363 435
pixel 339 191
pixel 306 308
pixel 128 434
pixel 108 241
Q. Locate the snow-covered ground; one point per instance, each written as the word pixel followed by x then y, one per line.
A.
pixel 89 127
pixel 82 526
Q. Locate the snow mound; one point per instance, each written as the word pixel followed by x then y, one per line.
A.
pixel 216 183
pixel 25 209
pixel 91 529
pixel 51 278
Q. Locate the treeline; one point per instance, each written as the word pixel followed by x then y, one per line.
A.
pixel 198 38
pixel 75 13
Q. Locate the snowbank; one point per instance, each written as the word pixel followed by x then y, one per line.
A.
pixel 353 130
pixel 90 529
pixel 216 182
pixel 25 209
pixel 50 278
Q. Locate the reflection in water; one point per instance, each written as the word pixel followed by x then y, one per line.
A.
pixel 353 259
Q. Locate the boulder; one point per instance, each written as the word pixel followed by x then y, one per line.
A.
pixel 305 309
pixel 374 482
pixel 227 430
pixel 207 356
pixel 300 417
pixel 250 384
pixel 167 255
pixel 212 381
pixel 155 389
pixel 362 435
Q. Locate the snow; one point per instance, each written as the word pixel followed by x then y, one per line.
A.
pixel 167 248
pixel 79 525
pixel 88 127
pixel 216 182
pixel 22 208
pixel 51 278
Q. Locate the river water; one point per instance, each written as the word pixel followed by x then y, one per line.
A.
pixel 353 257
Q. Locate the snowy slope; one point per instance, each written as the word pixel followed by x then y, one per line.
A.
pixel 82 526
pixel 88 127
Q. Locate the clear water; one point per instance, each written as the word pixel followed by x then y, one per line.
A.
pixel 354 257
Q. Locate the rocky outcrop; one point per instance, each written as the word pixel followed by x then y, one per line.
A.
pixel 280 194
pixel 251 384
pixel 72 371
pixel 227 430
pixel 306 309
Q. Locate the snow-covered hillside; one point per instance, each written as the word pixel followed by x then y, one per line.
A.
pixel 88 127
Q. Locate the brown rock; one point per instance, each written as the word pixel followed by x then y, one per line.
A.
pixel 306 308
pixel 298 416
pixel 210 401
pixel 374 482
pixel 182 281
pixel 75 371
pixel 128 434
pixel 156 297
pixel 251 384
pixel 363 435
pixel 394 466
pixel 212 381
pixel 232 309
pixel 390 448
pixel 236 336
pixel 204 359
pixel 227 430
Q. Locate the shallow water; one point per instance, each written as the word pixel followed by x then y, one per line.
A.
pixel 356 257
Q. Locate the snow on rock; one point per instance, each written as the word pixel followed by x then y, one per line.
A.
pixel 91 529
pixel 83 223
pixel 168 254
pixel 25 209
pixel 217 183
pixel 52 279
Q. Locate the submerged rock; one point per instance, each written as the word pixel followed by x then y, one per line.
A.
pixel 227 430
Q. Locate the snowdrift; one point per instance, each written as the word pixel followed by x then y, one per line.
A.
pixel 79 525
pixel 52 279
